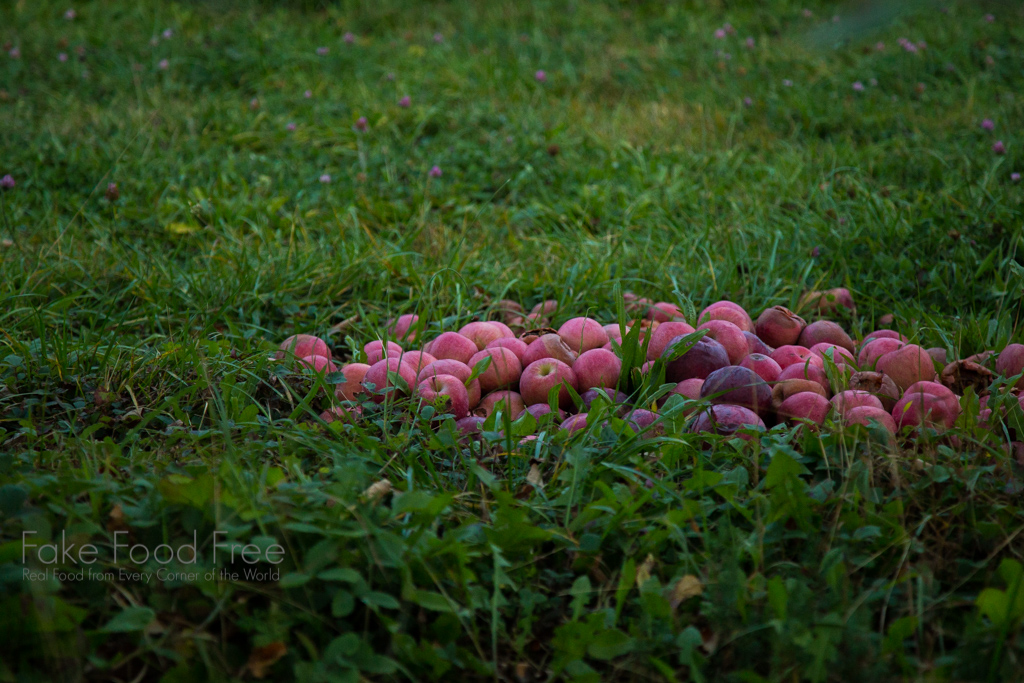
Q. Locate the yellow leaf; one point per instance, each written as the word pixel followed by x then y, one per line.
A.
pixel 181 229
pixel 377 491
pixel 262 658
pixel 687 587
pixel 417 50
pixel 533 477
pixel 643 572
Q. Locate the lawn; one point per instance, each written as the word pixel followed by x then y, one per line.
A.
pixel 193 182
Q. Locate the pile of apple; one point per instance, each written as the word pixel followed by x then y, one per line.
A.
pixel 737 374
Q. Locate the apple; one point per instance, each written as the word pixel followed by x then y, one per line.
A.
pixel 541 376
pixel 447 393
pixel 583 334
pixel 377 375
pixel 454 346
pixel 506 401
pixel 448 366
pixel 597 368
pixel 402 328
pixel 354 374
pixel 504 370
pixel 516 346
pixel 481 333
pixel 663 334
pixel 374 351
pixel 302 345
pixel 548 346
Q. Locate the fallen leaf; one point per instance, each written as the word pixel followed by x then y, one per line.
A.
pixel 262 658
pixel 116 520
pixel 377 491
pixel 181 229
pixel 344 324
pixel 533 477
pixel 687 587
pixel 643 572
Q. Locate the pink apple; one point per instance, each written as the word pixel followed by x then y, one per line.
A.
pixel 506 331
pixel 614 332
pixel 447 393
pixel 728 335
pixel 766 368
pixel 583 334
pixel 481 333
pixel 729 312
pixel 469 428
pixel 663 334
pixel 504 370
pixel 907 365
pixel 845 401
pixel 541 376
pixel 575 423
pixel 875 349
pixel 837 354
pixel 597 368
pixel 321 365
pixel 664 312
pixel 447 366
pixel 417 360
pixel 454 346
pixel 402 328
pixel 545 308
pixel 539 410
pixel 302 345
pixel 548 346
pixel 341 414
pixel 354 374
pixel 805 370
pixel 688 388
pixel 505 401
pixel 374 351
pixel 516 346
pixel 377 375
pixel 864 415
pixel 789 354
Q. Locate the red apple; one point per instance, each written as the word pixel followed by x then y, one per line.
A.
pixel 541 376
pixel 447 366
pixel 377 375
pixel 447 393
pixel 454 346
pixel 302 345
pixel 354 374
pixel 663 334
pixel 506 401
pixel 583 334
pixel 729 312
pixel 374 351
pixel 516 346
pixel 597 368
pixel 548 346
pixel 766 368
pixel 481 334
pixel 402 328
pixel 504 370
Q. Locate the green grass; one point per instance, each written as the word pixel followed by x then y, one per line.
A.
pixel 137 394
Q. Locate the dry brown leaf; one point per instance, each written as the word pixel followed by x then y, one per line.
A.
pixel 533 477
pixel 262 658
pixel 687 587
pixel 344 324
pixel 643 572
pixel 377 491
